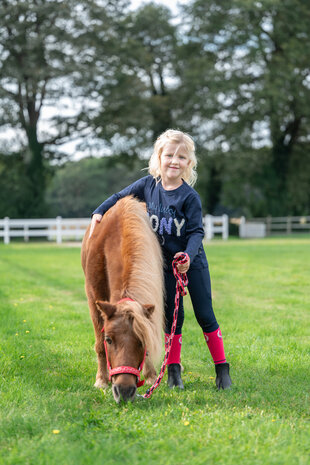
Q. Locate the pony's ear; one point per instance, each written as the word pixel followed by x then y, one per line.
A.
pixel 148 310
pixel 106 308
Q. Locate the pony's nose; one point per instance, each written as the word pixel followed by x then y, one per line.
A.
pixel 125 392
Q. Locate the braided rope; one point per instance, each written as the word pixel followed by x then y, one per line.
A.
pixel 181 283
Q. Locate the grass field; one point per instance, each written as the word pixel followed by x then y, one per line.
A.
pixel 51 414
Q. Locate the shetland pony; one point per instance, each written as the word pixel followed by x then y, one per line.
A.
pixel 122 259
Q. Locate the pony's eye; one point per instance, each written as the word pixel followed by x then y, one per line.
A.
pixel 108 340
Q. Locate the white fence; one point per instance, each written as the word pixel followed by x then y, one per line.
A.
pixel 74 228
pixel 251 229
pixel 216 224
pixel 260 227
pixel 58 229
pixel 52 228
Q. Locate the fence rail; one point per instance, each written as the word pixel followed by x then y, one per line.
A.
pixel 51 228
pixel 74 228
pixel 283 224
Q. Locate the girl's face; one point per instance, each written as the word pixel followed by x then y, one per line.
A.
pixel 174 160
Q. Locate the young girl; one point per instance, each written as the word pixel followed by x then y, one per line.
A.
pixel 175 213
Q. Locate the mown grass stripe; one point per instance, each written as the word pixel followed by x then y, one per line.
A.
pixel 261 299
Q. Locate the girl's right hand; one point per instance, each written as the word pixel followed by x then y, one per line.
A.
pixel 96 218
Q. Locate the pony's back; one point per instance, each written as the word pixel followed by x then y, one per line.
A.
pixel 143 263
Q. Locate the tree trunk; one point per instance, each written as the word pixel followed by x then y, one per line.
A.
pixel 283 147
pixel 36 175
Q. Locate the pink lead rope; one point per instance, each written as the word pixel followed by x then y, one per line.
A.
pixel 181 283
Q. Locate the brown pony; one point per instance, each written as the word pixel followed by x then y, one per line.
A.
pixel 122 259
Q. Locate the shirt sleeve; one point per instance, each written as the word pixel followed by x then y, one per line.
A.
pixel 194 230
pixel 136 189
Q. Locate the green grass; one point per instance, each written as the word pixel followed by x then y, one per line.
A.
pixel 48 366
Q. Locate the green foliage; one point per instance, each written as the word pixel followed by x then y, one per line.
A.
pixel 32 58
pixel 41 43
pixel 18 199
pixel 78 188
pixel 11 195
pixel 134 98
pixel 15 187
pixel 51 413
pixel 234 74
pixel 249 83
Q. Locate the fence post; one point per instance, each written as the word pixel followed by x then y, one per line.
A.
pixel 241 226
pixel 26 231
pixel 209 229
pixel 6 230
pixel 58 230
pixel 50 233
pixel 268 224
pixel 288 225
pixel 225 227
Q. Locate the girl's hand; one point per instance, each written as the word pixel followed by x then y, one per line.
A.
pixel 96 218
pixel 182 267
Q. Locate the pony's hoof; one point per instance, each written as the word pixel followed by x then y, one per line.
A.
pixel 100 384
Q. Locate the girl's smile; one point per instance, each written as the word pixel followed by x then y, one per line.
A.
pixel 173 163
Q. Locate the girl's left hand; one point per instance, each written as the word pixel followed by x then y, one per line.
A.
pixel 182 267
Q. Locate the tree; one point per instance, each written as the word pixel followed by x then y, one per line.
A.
pixel 134 102
pixel 14 185
pixel 235 74
pixel 40 43
pixel 79 187
pixel 251 93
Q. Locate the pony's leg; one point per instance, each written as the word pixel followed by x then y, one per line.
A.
pixel 149 371
pixel 102 377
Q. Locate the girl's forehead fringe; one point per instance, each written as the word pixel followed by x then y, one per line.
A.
pixel 175 136
pixel 185 140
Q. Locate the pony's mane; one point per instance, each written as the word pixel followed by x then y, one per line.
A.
pixel 142 273
pixel 144 328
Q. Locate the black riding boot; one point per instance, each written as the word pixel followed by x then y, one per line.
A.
pixel 174 376
pixel 223 380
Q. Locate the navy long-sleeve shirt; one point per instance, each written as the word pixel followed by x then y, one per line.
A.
pixel 175 215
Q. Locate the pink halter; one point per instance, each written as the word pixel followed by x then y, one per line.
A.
pixel 125 369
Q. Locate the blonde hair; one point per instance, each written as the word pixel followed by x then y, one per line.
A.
pixel 173 135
